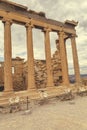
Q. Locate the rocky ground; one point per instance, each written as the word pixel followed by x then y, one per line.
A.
pixel 49 115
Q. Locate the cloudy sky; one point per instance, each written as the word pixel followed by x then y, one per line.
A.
pixel 55 9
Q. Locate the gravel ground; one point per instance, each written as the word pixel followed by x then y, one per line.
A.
pixel 55 115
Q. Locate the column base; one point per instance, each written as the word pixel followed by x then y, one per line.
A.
pixel 49 85
pixel 8 93
pixel 66 84
pixel 31 89
pixel 78 84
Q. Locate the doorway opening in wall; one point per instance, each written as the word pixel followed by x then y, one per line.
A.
pixel 19 57
pixel 1 56
pixel 70 61
pixel 40 60
pixel 55 58
pixel 13 70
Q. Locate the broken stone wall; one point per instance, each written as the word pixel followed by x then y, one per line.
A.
pixel 18 80
pixel 84 81
pixel 57 71
pixel 40 71
pixel 20 72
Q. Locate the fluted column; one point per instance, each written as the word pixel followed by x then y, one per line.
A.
pixel 48 58
pixel 63 58
pixel 30 57
pixel 8 84
pixel 75 60
pixel 66 55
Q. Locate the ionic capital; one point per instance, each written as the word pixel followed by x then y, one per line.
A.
pixel 7 21
pixel 61 34
pixel 29 25
pixel 73 35
pixel 47 29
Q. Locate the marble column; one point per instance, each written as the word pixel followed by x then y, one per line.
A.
pixel 48 58
pixel 8 84
pixel 30 57
pixel 63 58
pixel 75 59
pixel 66 55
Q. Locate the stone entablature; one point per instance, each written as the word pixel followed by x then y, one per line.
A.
pixel 24 15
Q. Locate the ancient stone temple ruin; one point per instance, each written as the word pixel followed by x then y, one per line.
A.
pixel 31 76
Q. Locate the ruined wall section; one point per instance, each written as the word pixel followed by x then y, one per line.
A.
pixel 84 81
pixel 25 73
pixel 17 71
pixel 20 72
pixel 57 70
pixel 40 71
